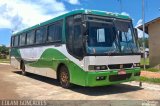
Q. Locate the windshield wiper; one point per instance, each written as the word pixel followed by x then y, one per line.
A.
pixel 111 52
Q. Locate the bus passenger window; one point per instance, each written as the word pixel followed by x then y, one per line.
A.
pixel 30 38
pixel 12 41
pixel 16 41
pixel 41 35
pixel 22 39
pixel 55 32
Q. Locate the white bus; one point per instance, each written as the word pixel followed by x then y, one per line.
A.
pixel 83 47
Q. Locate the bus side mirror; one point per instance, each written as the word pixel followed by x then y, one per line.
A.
pixel 84 27
pixel 136 33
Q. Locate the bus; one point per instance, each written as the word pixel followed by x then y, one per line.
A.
pixel 82 47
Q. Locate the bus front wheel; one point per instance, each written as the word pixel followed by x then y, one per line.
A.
pixel 64 77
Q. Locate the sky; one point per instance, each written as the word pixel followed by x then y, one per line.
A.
pixel 16 15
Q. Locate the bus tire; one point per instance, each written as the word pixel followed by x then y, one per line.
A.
pixel 23 69
pixel 64 77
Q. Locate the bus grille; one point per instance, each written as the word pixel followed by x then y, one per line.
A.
pixel 119 77
pixel 117 66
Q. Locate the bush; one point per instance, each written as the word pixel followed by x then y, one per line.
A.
pixel 4 51
pixel 3 56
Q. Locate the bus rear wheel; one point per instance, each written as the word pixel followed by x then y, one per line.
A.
pixel 64 77
pixel 23 68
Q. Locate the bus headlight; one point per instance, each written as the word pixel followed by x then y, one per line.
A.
pixel 136 64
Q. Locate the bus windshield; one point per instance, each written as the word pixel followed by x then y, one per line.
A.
pixel 111 37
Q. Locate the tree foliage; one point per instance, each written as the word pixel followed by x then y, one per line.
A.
pixel 140 41
pixel 4 51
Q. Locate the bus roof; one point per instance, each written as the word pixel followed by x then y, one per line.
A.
pixel 93 12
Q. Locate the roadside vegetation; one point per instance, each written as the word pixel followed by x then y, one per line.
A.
pixel 149 80
pixel 4 54
pixel 4 60
pixel 146 61
pixel 145 79
pixel 153 70
pixel 147 66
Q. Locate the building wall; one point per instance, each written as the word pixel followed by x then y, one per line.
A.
pixel 154 44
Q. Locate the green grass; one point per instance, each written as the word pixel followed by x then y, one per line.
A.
pixel 146 61
pixel 150 80
pixel 153 70
pixel 147 65
pixel 4 60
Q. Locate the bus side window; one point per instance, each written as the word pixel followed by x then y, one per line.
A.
pixel 74 37
pixel 16 40
pixel 22 39
pixel 12 41
pixel 40 35
pixel 69 34
pixel 30 38
pixel 77 44
pixel 55 32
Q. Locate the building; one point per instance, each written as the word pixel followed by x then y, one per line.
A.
pixel 152 28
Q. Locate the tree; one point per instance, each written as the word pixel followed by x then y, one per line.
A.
pixel 140 41
pixel 4 51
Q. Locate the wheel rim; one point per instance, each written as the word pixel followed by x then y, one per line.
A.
pixel 64 77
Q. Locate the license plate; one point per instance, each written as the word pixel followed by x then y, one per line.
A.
pixel 121 72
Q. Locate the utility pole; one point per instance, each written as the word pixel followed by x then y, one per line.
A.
pixel 143 18
pixel 121 7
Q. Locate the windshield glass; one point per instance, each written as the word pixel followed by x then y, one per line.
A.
pixel 110 37
pixel 101 38
pixel 126 37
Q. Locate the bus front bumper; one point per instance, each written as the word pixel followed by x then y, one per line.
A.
pixel 102 78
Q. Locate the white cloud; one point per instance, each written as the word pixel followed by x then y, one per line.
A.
pixel 18 14
pixel 140 32
pixel 4 23
pixel 139 22
pixel 124 13
pixel 74 2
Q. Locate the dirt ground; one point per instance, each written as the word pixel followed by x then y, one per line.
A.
pixel 150 74
pixel 15 86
